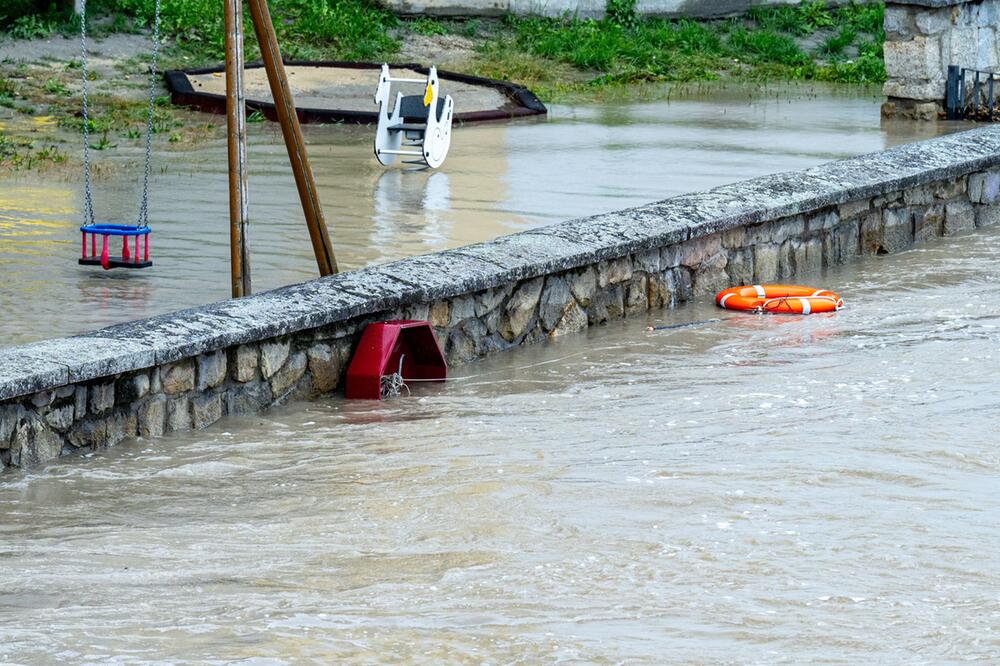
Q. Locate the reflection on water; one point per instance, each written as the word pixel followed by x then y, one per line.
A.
pixel 498 179
pixel 756 490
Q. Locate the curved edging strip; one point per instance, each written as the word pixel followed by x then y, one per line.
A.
pixel 522 102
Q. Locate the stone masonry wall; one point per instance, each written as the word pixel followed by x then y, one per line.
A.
pixel 923 37
pixel 189 369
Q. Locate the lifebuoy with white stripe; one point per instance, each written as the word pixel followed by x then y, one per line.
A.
pixel 779 299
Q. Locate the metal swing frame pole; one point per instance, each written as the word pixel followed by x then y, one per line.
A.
pixel 291 131
pixel 236 125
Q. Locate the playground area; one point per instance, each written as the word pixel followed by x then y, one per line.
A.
pixel 499 179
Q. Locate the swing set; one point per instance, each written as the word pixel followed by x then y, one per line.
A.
pixel 135 238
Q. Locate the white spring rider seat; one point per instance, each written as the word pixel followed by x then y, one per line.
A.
pixel 422 121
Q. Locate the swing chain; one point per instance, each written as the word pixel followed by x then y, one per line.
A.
pixel 88 203
pixel 144 205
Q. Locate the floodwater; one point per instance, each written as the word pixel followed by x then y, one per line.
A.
pixel 757 490
pixel 498 179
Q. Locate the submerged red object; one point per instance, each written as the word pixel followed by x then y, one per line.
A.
pixel 407 347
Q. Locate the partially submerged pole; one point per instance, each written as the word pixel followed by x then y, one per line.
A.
pixel 236 125
pixel 292 132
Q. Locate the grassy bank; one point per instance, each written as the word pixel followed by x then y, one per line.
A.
pixel 806 42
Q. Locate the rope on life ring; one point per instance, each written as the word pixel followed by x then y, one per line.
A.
pixel 779 299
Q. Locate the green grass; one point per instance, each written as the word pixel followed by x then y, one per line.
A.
pixel 342 29
pixel 17 154
pixel 766 44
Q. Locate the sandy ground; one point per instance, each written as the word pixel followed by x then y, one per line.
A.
pixel 349 89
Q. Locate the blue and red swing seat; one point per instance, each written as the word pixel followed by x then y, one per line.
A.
pixel 129 259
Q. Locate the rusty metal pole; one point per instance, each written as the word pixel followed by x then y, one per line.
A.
pixel 287 116
pixel 236 124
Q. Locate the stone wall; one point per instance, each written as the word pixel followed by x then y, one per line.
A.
pixel 923 37
pixel 189 369
pixel 581 8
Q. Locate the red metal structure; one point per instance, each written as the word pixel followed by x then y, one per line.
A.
pixel 405 346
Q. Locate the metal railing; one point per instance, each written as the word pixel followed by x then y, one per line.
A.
pixel 971 94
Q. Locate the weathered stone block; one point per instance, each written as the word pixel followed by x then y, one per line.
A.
pixel 327 364
pixel 919 196
pixel 243 365
pixel 130 389
pixel 249 398
pixel 786 259
pixel 520 309
pixel 614 271
pixel 697 250
pixel 658 290
pixel 459 347
pixel 813 257
pixel 121 425
pixel 648 262
pixel 871 232
pixel 735 238
pixel 179 414
pixel 984 188
pixel 80 402
pixel 152 417
pixel 178 377
pixel 959 217
pixel 765 263
pixel 608 303
pixel 929 224
pixel 60 418
pixel 914 59
pixel 489 300
pixel 438 314
pixel 89 433
pixel 583 284
pixel 35 441
pixel 897 233
pixel 823 221
pixel 556 298
pixel 9 415
pixel 206 409
pixel 273 356
pixel 899 22
pixel 461 308
pixel 637 295
pixel 950 189
pixel 43 399
pixel 211 370
pixel 102 397
pixel 987 216
pixel 740 266
pixel 847 241
pixel 289 374
pixel 418 311
pixel 933 22
pixel 711 275
pixel 853 209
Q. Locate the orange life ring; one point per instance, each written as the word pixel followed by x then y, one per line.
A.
pixel 779 298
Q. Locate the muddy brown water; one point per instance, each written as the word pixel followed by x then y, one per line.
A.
pixel 753 490
pixel 756 490
pixel 498 179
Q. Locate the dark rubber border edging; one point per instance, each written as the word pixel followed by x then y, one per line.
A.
pixel 522 102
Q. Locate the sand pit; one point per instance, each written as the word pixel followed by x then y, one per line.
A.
pixel 342 92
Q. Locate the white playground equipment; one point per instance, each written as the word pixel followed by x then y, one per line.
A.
pixel 423 121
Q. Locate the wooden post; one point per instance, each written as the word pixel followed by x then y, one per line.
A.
pixel 285 106
pixel 236 125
